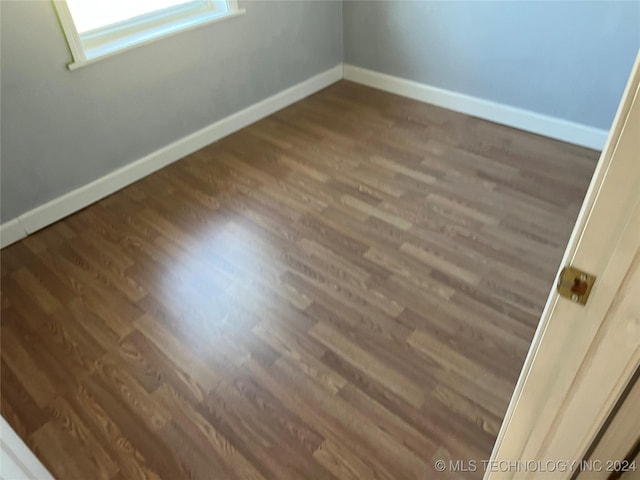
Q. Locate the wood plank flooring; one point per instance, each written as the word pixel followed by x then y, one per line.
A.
pixel 344 290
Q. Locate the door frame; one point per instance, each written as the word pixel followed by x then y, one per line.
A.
pixel 16 460
pixel 546 386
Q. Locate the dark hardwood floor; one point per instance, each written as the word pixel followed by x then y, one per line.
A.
pixel 346 289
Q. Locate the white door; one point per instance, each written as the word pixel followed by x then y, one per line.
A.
pixel 17 462
pixel 582 357
pixel 617 441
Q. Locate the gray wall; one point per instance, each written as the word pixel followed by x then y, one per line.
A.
pixel 63 129
pixel 564 59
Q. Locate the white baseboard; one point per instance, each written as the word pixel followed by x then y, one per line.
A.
pixel 11 231
pixel 75 200
pixel 557 128
pixel 16 460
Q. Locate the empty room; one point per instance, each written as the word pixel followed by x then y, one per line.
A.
pixel 321 239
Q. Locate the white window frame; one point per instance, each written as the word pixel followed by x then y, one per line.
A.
pixel 109 40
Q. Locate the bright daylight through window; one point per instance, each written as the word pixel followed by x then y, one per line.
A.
pixel 99 28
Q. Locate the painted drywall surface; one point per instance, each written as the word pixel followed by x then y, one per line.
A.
pixel 62 129
pixel 569 60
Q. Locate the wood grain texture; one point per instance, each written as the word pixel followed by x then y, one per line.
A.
pixel 344 290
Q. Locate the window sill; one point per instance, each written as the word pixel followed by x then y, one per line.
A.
pixel 108 49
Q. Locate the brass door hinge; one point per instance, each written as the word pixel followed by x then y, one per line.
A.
pixel 575 284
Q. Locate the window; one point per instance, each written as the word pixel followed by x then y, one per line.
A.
pixel 99 28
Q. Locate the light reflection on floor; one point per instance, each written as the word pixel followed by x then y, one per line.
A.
pixel 215 286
